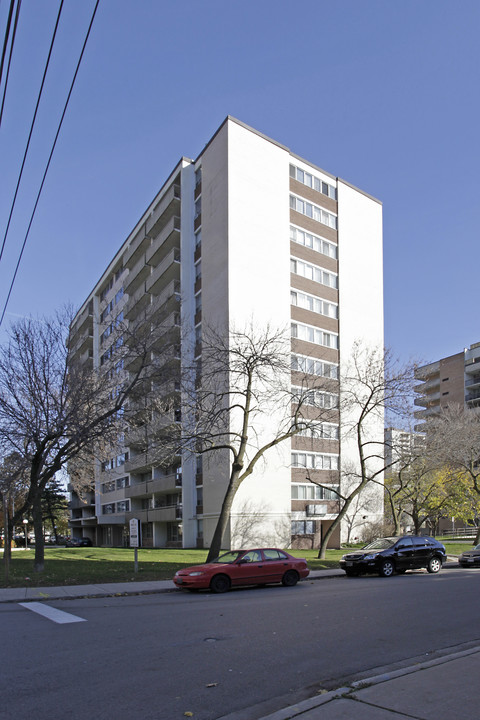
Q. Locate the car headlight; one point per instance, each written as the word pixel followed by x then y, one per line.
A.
pixel 197 572
pixel 369 557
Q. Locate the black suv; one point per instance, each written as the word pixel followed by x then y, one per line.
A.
pixel 395 554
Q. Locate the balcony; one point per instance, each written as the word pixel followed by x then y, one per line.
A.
pixel 150 487
pixel 167 239
pixel 168 206
pixel 137 275
pixel 137 247
pixel 427 371
pixel 165 272
pixel 168 513
pixel 136 303
pixel 428 400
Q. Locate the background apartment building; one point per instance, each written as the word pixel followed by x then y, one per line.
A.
pixel 453 380
pixel 248 232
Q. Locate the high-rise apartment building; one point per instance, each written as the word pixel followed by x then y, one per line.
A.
pixel 247 232
pixel 453 380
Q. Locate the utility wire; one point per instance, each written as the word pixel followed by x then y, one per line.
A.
pixel 31 131
pixel 19 2
pixel 7 33
pixel 48 163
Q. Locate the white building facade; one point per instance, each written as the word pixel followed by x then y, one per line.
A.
pixel 246 233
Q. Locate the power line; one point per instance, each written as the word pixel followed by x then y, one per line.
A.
pixel 10 57
pixel 7 33
pixel 49 160
pixel 31 131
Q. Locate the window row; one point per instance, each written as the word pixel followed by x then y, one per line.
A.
pixel 312 334
pixel 313 241
pixel 119 507
pixel 111 350
pixel 314 461
pixel 313 303
pixel 313 182
pixel 111 305
pixel 303 527
pixel 115 462
pixel 311 366
pixel 321 431
pixel 314 492
pixel 313 211
pixel 313 272
pixel 315 398
pixel 117 484
pixel 113 326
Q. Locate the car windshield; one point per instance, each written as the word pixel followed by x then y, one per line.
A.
pixel 380 544
pixel 228 557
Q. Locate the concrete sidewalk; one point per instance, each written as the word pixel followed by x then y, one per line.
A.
pixel 441 689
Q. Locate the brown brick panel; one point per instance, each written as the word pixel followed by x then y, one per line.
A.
pixel 303 444
pixel 313 196
pixel 302 347
pixel 297 282
pixel 313 226
pixel 307 317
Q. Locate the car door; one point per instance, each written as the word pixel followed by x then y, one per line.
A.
pixel 422 552
pixel 404 552
pixel 249 569
pixel 276 565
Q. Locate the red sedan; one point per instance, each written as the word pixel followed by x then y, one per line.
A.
pixel 243 567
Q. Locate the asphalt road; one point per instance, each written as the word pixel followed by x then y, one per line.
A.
pixel 161 656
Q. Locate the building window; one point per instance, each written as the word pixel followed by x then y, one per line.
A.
pixel 108 509
pixel 314 492
pixel 313 182
pixel 311 366
pixel 315 398
pixel 321 431
pixel 123 506
pixel 174 532
pixel 108 486
pixel 313 272
pixel 123 482
pixel 313 241
pixel 313 303
pixel 314 461
pixel 303 527
pixel 314 335
pixel 313 211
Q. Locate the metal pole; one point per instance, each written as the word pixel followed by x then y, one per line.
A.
pixel 135 559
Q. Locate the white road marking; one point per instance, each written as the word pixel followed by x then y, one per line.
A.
pixel 51 613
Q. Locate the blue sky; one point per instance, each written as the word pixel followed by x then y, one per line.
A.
pixel 383 94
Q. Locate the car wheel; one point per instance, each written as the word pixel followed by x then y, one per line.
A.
pixel 434 565
pixel 220 584
pixel 290 578
pixel 387 568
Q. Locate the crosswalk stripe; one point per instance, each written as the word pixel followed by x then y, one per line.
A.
pixel 57 616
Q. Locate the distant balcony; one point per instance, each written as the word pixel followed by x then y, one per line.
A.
pixel 166 240
pixel 165 209
pixel 165 272
pixel 168 513
pixel 137 247
pixel 137 275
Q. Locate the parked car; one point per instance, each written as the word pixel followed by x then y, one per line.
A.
pixel 388 555
pixel 470 558
pixel 78 542
pixel 260 566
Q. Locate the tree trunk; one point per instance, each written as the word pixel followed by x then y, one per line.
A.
pixel 39 562
pixel 216 544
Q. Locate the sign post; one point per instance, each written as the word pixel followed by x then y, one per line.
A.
pixel 135 540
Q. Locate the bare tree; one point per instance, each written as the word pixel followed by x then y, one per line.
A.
pixel 53 409
pixel 372 385
pixel 228 400
pixel 453 438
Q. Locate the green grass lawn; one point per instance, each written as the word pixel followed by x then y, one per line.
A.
pixel 82 566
